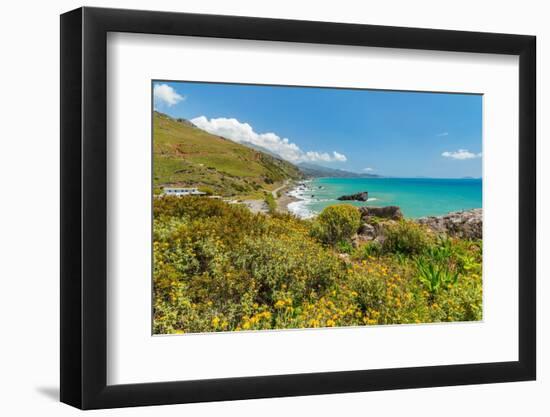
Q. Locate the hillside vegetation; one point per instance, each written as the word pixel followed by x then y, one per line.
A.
pixel 185 155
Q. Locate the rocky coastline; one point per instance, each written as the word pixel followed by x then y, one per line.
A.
pixel 466 224
pixel 463 224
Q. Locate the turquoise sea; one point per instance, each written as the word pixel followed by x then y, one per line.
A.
pixel 417 197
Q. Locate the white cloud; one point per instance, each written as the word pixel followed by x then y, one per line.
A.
pixel 164 94
pixel 244 133
pixel 339 157
pixel 461 154
pixel 442 134
pixel 368 169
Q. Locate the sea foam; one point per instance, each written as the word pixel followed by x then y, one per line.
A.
pixel 300 208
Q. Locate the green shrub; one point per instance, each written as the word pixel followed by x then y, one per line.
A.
pixel 292 262
pixel 372 248
pixel 405 237
pixel 344 246
pixel 388 293
pixel 206 190
pixel 336 224
pixel 270 201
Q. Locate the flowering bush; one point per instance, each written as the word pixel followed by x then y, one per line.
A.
pixel 218 267
pixel 337 224
pixel 406 237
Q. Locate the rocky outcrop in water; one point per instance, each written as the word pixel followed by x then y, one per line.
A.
pixel 362 196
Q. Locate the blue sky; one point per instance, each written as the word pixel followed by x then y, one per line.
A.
pixel 401 134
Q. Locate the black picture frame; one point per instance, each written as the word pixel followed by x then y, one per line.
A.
pixel 84 207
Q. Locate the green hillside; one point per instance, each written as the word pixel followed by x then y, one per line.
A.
pixel 185 155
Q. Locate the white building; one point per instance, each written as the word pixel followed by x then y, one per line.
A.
pixel 179 192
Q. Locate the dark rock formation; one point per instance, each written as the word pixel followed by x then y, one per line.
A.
pixel 375 232
pixel 367 230
pixel 388 212
pixel 362 196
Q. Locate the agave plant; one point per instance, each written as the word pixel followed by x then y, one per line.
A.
pixel 442 251
pixel 435 276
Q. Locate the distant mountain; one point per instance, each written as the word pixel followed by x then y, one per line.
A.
pixel 261 149
pixel 184 155
pixel 312 170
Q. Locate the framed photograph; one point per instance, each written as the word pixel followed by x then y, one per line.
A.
pixel 258 208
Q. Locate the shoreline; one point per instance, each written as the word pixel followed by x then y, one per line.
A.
pixel 284 202
pixel 292 201
pixel 296 200
pixel 286 197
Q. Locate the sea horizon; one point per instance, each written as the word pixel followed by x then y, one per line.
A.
pixel 397 177
pixel 416 196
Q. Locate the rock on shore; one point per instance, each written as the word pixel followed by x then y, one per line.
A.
pixel 467 224
pixel 387 212
pixel 464 224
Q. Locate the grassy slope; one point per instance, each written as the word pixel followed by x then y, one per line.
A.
pixel 185 155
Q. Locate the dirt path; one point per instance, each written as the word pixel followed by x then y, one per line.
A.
pixel 274 192
pixel 260 206
pixel 256 206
